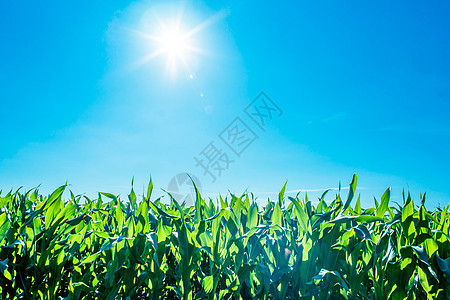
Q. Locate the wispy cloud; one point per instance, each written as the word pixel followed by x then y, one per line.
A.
pixel 305 190
pixel 335 117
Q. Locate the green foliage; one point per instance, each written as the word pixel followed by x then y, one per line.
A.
pixel 80 248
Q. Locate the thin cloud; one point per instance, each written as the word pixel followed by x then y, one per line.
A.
pixel 334 117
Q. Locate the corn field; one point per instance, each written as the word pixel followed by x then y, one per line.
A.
pixel 225 248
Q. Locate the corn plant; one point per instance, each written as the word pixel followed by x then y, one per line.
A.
pixel 228 248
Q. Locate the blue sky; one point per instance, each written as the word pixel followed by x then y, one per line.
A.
pixel 363 88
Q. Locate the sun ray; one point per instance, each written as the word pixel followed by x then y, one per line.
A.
pixel 146 59
pixel 144 35
pixel 217 17
pixel 196 49
pixel 172 40
pixel 180 15
pixel 184 63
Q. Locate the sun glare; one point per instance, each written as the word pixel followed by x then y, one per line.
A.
pixel 175 41
pixel 176 45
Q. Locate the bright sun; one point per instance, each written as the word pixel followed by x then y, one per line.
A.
pixel 175 41
pixel 177 46
pixel 172 42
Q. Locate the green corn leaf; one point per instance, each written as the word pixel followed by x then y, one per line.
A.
pixel 149 189
pixel 384 204
pixel 78 220
pixel 351 193
pixel 82 286
pixel 358 206
pixel 119 215
pixel 52 198
pixel 367 219
pixel 198 203
pixel 110 196
pixel 407 218
pixel 132 197
pixel 342 219
pixel 160 211
pixel 52 211
pixel 64 214
pixel 281 195
pixel 80 248
pixel 90 259
pixel 277 215
pixel 16 243
pixel 423 257
pixel 3 265
pixel 444 265
pixel 302 216
pixel 253 216
pixel 362 232
pixel 208 284
pixel 408 210
pixel 5 225
pixel 323 272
